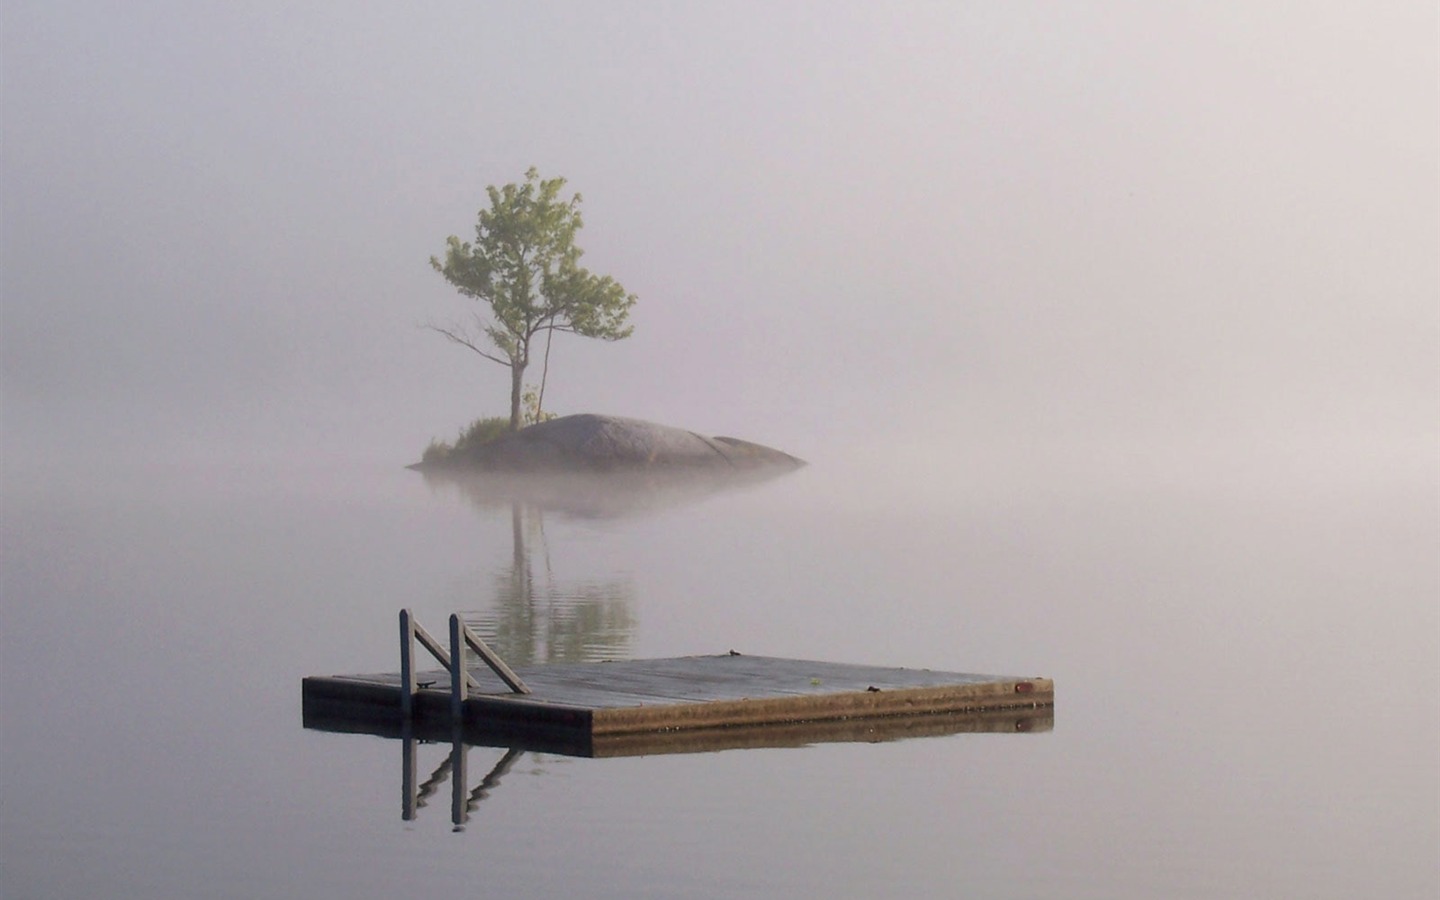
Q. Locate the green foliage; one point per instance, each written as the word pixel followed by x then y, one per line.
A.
pixel 437 451
pixel 525 268
pixel 530 411
pixel 480 431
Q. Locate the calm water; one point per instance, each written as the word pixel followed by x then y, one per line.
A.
pixel 1246 678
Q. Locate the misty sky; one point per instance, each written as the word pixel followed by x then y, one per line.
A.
pixel 1105 224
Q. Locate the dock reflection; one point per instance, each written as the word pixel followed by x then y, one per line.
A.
pixel 455 768
pixel 465 797
pixel 535 617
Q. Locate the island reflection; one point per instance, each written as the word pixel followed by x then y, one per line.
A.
pixel 612 494
pixel 532 616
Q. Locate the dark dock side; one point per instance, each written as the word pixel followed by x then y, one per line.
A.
pixel 623 701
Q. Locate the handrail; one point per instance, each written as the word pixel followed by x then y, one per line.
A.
pixel 460 636
pixel 490 657
pixel 460 678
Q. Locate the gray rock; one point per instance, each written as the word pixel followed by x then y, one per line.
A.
pixel 591 443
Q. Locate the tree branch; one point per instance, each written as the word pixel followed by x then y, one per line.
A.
pixel 459 338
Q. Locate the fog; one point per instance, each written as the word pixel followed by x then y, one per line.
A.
pixel 1110 333
pixel 1133 239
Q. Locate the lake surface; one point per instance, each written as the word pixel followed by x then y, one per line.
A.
pixel 1245 669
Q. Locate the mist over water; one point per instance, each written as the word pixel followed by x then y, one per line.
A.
pixel 1018 227
pixel 1223 658
pixel 1110 336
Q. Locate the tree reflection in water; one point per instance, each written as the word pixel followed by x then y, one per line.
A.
pixel 537 618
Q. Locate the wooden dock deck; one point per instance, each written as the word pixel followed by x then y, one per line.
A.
pixel 643 703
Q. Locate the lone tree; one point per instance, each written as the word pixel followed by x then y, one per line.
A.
pixel 525 267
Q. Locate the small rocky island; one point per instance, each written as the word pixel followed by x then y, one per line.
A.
pixel 596 466
pixel 589 443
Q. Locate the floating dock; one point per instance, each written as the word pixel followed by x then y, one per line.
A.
pixel 625 700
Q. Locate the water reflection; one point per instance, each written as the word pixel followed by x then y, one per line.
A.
pixel 535 617
pixel 599 495
pixel 465 799
pixel 532 615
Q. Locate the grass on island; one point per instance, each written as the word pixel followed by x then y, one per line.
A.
pixel 483 431
pixel 480 431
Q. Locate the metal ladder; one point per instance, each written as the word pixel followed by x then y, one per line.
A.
pixel 453 662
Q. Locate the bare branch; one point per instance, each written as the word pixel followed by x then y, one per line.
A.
pixel 461 339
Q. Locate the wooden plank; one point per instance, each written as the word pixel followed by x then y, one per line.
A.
pixel 638 696
pixel 802 734
pixel 708 679
pixel 580 742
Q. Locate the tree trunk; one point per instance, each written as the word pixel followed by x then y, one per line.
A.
pixel 517 376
